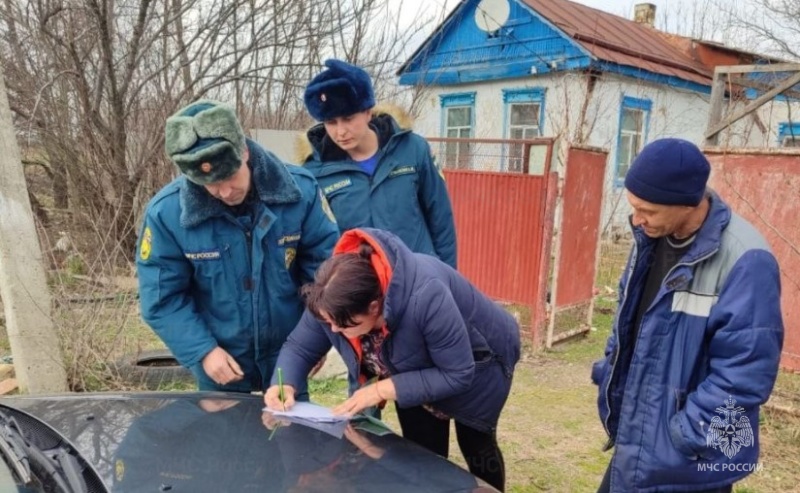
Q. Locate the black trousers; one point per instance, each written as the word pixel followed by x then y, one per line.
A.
pixel 605 486
pixel 480 449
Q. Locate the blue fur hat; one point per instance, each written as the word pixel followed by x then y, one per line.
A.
pixel 341 90
pixel 669 172
pixel 206 141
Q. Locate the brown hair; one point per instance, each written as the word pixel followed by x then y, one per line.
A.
pixel 343 287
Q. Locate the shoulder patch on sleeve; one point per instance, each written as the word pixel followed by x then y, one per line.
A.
pixel 146 245
pixel 119 469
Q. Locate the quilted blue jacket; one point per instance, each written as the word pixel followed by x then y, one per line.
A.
pixel 448 344
pixel 683 413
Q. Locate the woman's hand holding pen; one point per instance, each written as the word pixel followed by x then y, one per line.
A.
pixel 272 397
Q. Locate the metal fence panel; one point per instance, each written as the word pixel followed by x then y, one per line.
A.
pixel 764 187
pixel 578 243
pixel 526 156
pixel 580 226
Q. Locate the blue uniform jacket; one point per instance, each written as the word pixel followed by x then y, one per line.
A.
pixel 448 344
pixel 204 280
pixel 406 195
pixel 683 412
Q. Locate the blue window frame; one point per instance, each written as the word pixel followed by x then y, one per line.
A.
pixel 523 118
pixel 789 134
pixel 458 121
pixel 634 120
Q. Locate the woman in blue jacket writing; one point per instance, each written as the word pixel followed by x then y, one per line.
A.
pixel 410 329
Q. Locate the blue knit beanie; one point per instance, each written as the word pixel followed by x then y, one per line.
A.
pixel 669 172
pixel 206 141
pixel 341 90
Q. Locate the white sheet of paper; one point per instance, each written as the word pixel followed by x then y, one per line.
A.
pixel 311 412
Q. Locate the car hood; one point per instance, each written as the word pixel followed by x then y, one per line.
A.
pixel 195 442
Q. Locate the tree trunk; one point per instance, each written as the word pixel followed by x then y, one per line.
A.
pixel 23 285
pixel 60 188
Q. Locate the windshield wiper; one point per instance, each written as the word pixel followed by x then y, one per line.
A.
pixel 56 466
pixel 12 446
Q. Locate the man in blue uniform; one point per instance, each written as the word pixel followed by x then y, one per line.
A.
pixel 225 247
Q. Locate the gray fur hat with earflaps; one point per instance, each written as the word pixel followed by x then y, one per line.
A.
pixel 206 141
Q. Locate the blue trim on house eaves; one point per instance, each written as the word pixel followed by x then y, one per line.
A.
pixel 555 28
pixel 432 43
pixel 489 72
pixel 645 75
pixel 459 52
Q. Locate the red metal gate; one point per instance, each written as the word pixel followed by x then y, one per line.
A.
pixel 503 221
pixel 578 242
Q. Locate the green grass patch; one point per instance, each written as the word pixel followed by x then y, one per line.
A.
pixel 328 391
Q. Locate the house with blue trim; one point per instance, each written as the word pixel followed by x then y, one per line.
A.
pixel 518 69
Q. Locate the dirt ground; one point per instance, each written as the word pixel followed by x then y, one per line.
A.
pixel 552 437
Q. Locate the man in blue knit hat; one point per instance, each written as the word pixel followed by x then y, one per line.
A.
pixel 697 338
pixel 373 172
pixel 225 247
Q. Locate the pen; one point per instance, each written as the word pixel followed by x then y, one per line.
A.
pixel 280 389
pixel 277 425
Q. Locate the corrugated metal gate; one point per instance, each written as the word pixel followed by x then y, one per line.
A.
pixel 503 219
pixel 504 201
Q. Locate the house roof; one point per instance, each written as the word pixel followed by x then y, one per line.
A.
pixel 618 40
pixel 611 39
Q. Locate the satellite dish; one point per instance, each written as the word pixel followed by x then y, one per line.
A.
pixel 491 15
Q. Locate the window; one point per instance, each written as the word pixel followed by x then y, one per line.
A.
pixel 633 118
pixel 523 120
pixel 458 117
pixel 789 134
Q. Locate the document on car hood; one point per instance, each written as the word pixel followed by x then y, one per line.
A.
pixel 310 412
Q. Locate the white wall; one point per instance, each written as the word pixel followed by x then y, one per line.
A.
pixel 774 113
pixel 675 113
pixel 282 143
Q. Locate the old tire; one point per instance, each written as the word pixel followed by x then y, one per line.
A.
pixel 153 370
